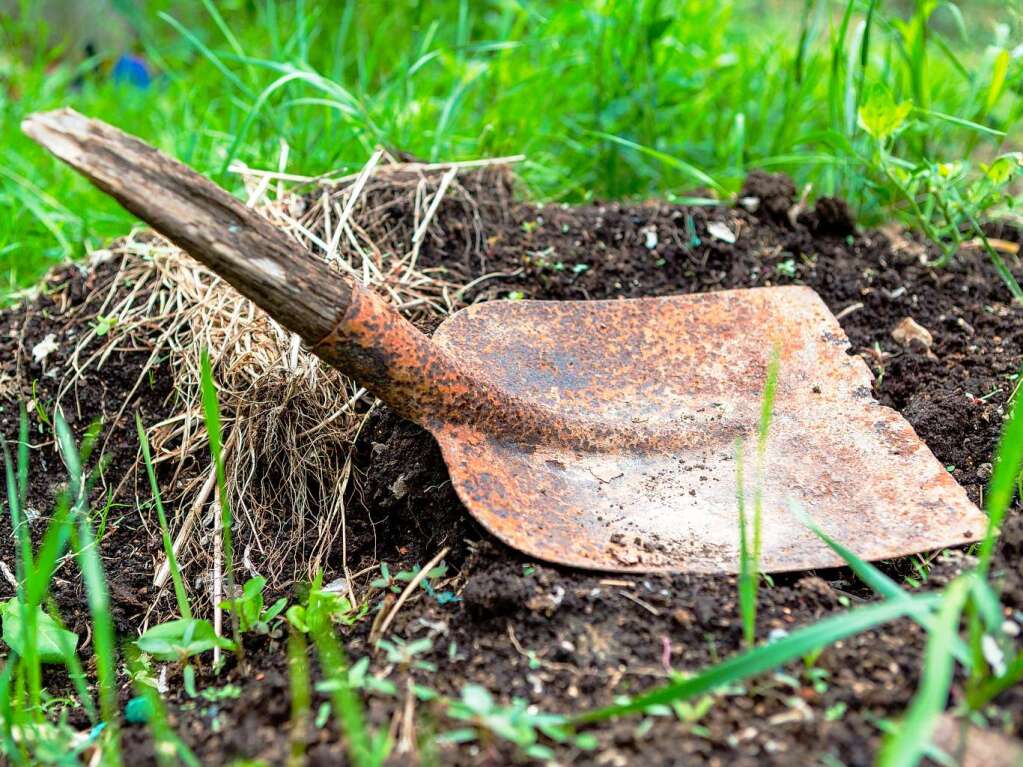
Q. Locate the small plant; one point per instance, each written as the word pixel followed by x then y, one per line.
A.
pixel 750 540
pixel 946 201
pixel 686 712
pixel 396 582
pixel 323 608
pixel 211 415
pixel 518 723
pixel 359 678
pixel 181 639
pixel 249 607
pixel 104 324
pixel 364 747
pixel 405 654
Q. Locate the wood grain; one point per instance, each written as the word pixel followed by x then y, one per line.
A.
pixel 236 242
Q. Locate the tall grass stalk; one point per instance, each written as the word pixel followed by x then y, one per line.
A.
pixel 211 413
pixel 301 702
pixel 86 550
pixel 751 534
pixel 747 562
pixel 184 608
pixel 361 748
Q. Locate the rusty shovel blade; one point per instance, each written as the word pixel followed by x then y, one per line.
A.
pixel 601 434
pixel 677 381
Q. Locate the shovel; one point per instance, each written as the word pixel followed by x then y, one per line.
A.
pixel 596 434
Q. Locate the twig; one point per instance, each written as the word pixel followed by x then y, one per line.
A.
pixel 420 233
pixel 645 605
pixel 407 738
pixel 412 586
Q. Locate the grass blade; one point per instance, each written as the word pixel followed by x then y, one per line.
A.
pixel 298 683
pixel 211 412
pixel 767 657
pixel 168 546
pixel 877 581
pixel 680 165
pixel 347 706
pixel 1007 466
pixel 89 562
pixel 907 745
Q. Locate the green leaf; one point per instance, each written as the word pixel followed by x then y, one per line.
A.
pixel 462 735
pixel 477 698
pixel 767 657
pixel 275 609
pixel 880 116
pixel 999 71
pixel 1001 171
pixel 52 643
pixel 180 639
pixel 296 616
pixel 878 582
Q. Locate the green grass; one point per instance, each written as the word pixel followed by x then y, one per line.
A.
pixel 612 99
pixel 751 531
pixel 184 607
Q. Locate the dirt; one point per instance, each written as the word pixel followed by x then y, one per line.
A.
pixel 564 640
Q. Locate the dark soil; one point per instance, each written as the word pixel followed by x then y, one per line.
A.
pixel 566 640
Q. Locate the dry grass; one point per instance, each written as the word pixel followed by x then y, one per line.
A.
pixel 290 421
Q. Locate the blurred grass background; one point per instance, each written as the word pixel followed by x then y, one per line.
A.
pixel 607 98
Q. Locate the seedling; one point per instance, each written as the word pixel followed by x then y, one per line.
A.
pixel 517 723
pixel 405 654
pixel 323 609
pixel 396 582
pixel 181 639
pixel 249 610
pixel 359 678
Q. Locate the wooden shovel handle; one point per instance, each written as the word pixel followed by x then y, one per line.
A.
pixel 344 323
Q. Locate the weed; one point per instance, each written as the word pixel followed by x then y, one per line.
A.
pixel 249 607
pixel 322 609
pixel 518 723
pixel 404 654
pixel 184 608
pixel 52 644
pixel 750 543
pixel 211 414
pixel 394 582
